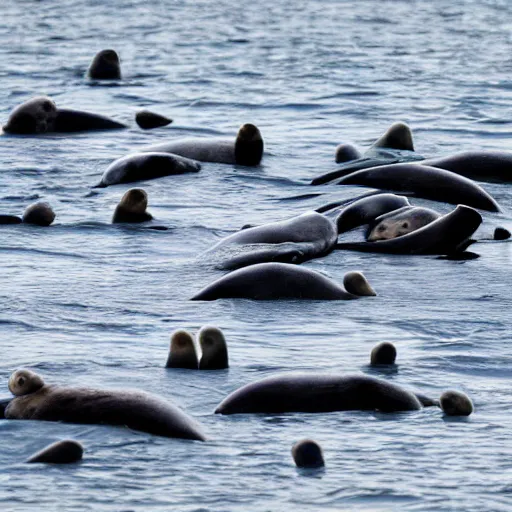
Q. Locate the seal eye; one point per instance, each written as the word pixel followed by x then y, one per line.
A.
pixel 405 225
pixel 381 228
pixel 21 381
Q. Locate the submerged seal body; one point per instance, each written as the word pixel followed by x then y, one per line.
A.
pixel 34 400
pixel 424 181
pixel 105 66
pixel 146 166
pixel 247 149
pixel 271 281
pixel 294 240
pixel 40 115
pixel 318 393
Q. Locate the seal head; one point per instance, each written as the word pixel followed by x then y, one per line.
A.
pixel 307 454
pixel 248 145
pixel 132 207
pixel 36 115
pixel 456 403
pixel 105 66
pixel 24 382
pixel 40 214
pixel 183 352
pixel 214 349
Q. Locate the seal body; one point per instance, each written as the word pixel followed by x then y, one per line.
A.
pixel 10 219
pixel 271 281
pixel 148 120
pixel 446 235
pixel 146 166
pixel 424 181
pixel 61 452
pixel 247 149
pixel 318 393
pixel 135 409
pixel 105 66
pixel 400 222
pixel 294 240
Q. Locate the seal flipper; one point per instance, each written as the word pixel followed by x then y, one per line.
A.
pixel 69 121
pixel 426 401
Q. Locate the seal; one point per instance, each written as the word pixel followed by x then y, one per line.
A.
pixel 61 452
pixel 148 120
pixel 383 353
pixel 10 219
pixel 247 149
pixel 145 166
pixel 105 66
pixel 213 347
pixel 311 392
pixel 40 115
pixel 492 166
pixel 456 403
pixel 272 281
pixel 294 240
pixel 35 400
pixel 424 181
pixel 40 214
pixel 307 453
pixel 132 207
pixel 400 222
pixel 346 153
pixel 394 146
pixel 448 234
pixel 183 351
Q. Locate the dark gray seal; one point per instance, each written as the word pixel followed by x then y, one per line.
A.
pixel 66 451
pixel 319 393
pixel 105 66
pixel 346 153
pixel 307 453
pixel 424 181
pixel 34 400
pixel 272 281
pixel 148 120
pixel 246 149
pixel 447 235
pixel 132 207
pixel 456 403
pixel 41 115
pixel 395 146
pixel 146 166
pixel 494 166
pixel 383 354
pixel 294 240
pixel 39 214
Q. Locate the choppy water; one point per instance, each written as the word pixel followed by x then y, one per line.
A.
pixel 87 303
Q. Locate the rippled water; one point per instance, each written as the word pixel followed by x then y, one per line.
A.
pixel 90 304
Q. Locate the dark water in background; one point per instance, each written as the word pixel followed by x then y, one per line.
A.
pixel 89 304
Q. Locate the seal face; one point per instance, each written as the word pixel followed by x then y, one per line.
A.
pixel 36 115
pixel 183 351
pixel 40 214
pixel 105 66
pixel 214 350
pixel 307 454
pixel 132 207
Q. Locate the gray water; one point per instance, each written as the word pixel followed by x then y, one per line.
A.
pixel 85 303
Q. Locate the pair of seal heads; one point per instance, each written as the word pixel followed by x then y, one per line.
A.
pixel 132 207
pixel 272 281
pixel 184 350
pixel 40 115
pixel 247 149
pixel 35 400
pixel 38 214
pixel 145 166
pixel 105 66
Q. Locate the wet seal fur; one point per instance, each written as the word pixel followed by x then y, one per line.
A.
pixel 247 149
pixel 61 452
pixel 132 207
pixel 310 392
pixel 383 353
pixel 35 400
pixel 105 66
pixel 294 240
pixel 145 166
pixel 214 350
pixel 148 120
pixel 456 403
pixel 272 281
pixel 183 351
pixel 307 453
pixel 40 115
pixel 424 181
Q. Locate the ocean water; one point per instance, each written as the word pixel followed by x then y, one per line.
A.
pixel 86 303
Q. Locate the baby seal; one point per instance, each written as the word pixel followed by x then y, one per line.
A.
pixel 307 454
pixel 214 350
pixel 40 214
pixel 247 149
pixel 61 452
pixel 35 400
pixel 148 120
pixel 400 222
pixel 132 207
pixel 456 403
pixel 105 66
pixel 383 353
pixel 183 351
